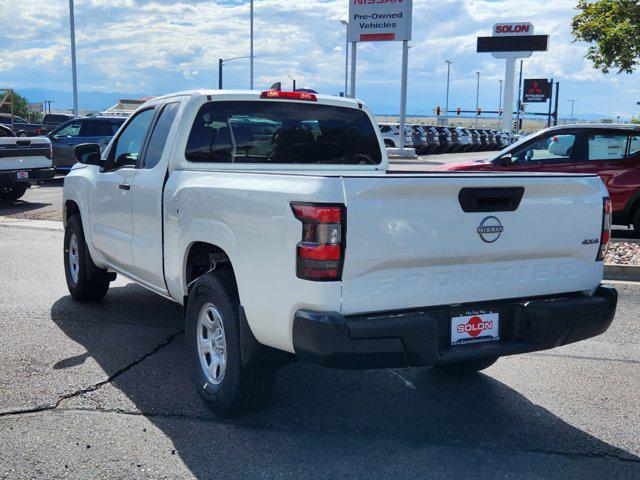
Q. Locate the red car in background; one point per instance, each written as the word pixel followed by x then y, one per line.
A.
pixel 611 151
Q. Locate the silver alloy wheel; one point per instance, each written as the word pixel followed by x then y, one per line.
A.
pixel 212 344
pixel 74 257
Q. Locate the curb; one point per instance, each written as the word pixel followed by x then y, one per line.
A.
pixel 31 224
pixel 630 273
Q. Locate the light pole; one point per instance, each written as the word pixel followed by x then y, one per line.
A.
pixel 220 63
pixel 294 82
pixel 573 102
pixel 74 75
pixel 477 97
pixel 346 57
pixel 446 103
pixel 500 106
pixel 250 46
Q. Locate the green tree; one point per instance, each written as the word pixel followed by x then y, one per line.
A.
pixel 21 108
pixel 613 29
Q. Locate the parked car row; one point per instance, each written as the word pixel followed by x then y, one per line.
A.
pixel 610 151
pixel 432 139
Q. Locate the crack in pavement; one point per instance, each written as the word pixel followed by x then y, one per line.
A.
pixel 257 425
pixel 92 388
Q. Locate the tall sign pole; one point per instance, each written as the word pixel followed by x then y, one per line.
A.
pixel 378 22
pixel 511 41
pixel 74 74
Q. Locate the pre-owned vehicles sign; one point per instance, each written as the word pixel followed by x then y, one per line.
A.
pixel 379 20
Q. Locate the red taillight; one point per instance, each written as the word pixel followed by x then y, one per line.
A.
pixel 309 97
pixel 320 253
pixel 607 212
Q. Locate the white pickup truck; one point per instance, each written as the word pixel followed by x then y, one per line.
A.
pixel 23 161
pixel 272 217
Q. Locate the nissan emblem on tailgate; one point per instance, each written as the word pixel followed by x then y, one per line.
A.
pixel 490 229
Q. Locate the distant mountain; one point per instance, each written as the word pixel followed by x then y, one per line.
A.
pixel 87 101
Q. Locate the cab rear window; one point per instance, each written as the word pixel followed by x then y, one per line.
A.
pixel 282 133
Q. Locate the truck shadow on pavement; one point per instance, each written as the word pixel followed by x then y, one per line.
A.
pixel 323 423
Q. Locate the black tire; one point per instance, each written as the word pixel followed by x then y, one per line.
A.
pixel 90 283
pixel 636 221
pixel 471 366
pixel 13 193
pixel 239 388
pixel 389 144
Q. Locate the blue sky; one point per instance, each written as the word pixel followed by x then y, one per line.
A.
pixel 155 47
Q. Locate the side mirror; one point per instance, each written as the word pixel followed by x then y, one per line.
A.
pixel 88 154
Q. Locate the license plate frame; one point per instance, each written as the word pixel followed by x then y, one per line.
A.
pixel 473 327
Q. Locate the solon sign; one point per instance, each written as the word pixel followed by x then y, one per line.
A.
pixel 379 20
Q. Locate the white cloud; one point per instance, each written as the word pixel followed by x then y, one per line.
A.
pixel 139 46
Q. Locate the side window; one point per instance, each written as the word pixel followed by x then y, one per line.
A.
pixel 554 148
pixel 608 146
pixel 96 128
pixel 71 130
pixel 129 143
pixel 159 136
pixel 634 145
pixel 209 140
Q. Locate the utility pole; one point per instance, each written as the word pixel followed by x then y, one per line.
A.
pixel 477 97
pixel 294 83
pixel 446 103
pixel 550 102
pixel 346 58
pixel 250 48
pixel 74 75
pixel 500 106
pixel 573 102
pixel 220 63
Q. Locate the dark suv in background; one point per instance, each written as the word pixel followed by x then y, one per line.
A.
pixel 65 137
pixel 52 120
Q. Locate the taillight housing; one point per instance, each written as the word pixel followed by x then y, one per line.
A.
pixel 320 253
pixel 605 236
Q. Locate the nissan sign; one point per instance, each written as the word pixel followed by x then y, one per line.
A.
pixel 379 20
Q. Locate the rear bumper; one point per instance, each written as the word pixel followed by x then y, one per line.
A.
pixel 10 177
pixel 422 337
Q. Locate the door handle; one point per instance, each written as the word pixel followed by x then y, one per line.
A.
pixel 124 186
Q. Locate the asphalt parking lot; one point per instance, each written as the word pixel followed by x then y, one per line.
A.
pixel 102 391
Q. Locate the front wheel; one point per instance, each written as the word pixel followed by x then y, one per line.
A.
pixel 636 221
pixel 86 282
pixel 213 347
pixel 470 366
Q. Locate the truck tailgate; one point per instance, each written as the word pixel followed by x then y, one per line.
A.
pixel 19 153
pixel 411 244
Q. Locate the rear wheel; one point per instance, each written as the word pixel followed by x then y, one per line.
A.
pixel 213 345
pixel 636 221
pixel 14 192
pixel 467 367
pixel 85 281
pixel 389 144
